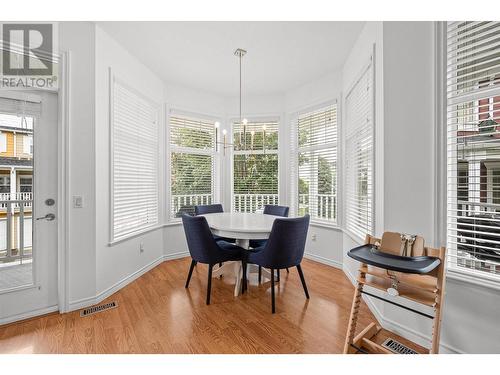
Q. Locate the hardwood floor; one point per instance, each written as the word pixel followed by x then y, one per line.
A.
pixel 156 314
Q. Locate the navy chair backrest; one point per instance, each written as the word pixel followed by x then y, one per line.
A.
pixel 200 240
pixel 270 209
pixel 208 209
pixel 286 244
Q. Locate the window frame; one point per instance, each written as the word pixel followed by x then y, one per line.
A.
pixel 230 136
pixel 460 274
pixel 216 154
pixel 114 79
pixel 295 150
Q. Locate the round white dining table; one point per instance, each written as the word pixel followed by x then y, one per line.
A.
pixel 243 227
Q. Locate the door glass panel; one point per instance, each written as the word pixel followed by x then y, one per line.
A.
pixel 16 200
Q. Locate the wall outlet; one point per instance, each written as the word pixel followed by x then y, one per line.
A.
pixel 141 247
pixel 314 237
pixel 77 201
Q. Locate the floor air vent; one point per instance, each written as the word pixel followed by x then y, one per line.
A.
pixel 96 309
pixel 398 348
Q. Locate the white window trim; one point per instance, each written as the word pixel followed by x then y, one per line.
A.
pixel 112 239
pixel 216 178
pixel 294 151
pixel 251 118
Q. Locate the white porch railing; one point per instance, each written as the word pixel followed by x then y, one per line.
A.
pixel 253 202
pixel 326 206
pixel 27 198
pixel 16 231
pixel 185 203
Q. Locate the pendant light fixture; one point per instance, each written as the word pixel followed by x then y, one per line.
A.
pixel 239 53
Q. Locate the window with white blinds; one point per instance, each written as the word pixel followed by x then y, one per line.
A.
pixel 473 147
pixel 192 163
pixel 359 156
pixel 255 165
pixel 135 149
pixel 315 136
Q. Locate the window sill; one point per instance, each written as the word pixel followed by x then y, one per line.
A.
pixel 133 235
pixel 473 278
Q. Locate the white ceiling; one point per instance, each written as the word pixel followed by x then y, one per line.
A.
pixel 281 55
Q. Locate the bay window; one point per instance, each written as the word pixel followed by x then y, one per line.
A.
pixel 255 165
pixel 315 136
pixel 192 163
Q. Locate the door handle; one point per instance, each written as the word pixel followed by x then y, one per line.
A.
pixel 48 217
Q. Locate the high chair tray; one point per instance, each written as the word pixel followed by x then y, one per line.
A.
pixel 370 255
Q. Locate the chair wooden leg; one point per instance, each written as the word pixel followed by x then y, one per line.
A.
pixel 260 274
pixel 301 274
pixel 287 270
pixel 278 275
pixel 191 268
pixel 244 278
pixel 209 286
pixel 273 305
pixel 353 319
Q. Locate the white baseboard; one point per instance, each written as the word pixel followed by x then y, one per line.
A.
pixel 89 301
pixel 320 259
pixel 400 329
pixel 28 314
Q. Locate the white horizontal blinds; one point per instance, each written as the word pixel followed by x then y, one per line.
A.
pixel 135 162
pixel 20 108
pixel 192 155
pixel 359 156
pixel 317 163
pixel 255 165
pixel 473 146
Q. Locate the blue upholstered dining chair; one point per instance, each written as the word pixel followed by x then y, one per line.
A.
pixel 208 209
pixel 284 249
pixel 204 249
pixel 275 210
pixel 212 209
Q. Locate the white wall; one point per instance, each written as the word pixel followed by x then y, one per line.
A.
pixel 114 264
pixel 369 42
pixel 404 167
pixel 78 38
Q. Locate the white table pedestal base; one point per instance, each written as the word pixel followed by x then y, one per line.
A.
pixel 234 269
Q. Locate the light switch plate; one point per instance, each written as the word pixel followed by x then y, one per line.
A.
pixel 77 201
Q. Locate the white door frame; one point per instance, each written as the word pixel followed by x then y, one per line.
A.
pixel 63 183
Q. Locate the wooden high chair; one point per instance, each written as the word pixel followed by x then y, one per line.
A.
pixel 397 265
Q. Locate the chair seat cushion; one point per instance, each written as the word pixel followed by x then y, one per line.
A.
pixel 230 251
pixel 257 243
pixel 219 238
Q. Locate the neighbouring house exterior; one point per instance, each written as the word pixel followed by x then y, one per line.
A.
pixel 16 188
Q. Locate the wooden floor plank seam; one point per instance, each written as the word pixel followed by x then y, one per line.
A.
pixel 156 314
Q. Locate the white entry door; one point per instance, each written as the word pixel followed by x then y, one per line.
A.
pixel 28 204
